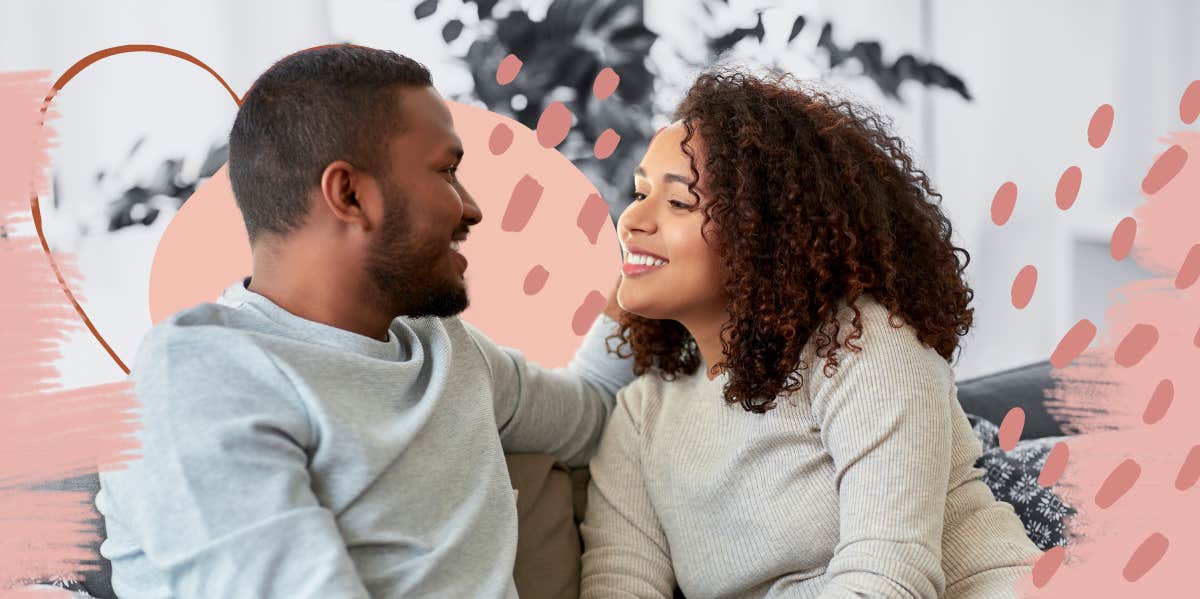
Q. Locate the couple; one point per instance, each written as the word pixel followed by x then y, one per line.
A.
pixel 788 303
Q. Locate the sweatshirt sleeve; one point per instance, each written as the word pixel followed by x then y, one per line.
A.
pixel 885 420
pixel 560 411
pixel 220 500
pixel 625 549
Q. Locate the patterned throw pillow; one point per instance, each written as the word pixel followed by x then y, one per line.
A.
pixel 1012 477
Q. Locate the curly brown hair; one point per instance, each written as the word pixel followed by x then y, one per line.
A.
pixel 814 202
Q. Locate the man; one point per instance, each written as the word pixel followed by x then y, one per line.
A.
pixel 328 427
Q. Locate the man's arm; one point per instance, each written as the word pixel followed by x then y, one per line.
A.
pixel 221 501
pixel 562 411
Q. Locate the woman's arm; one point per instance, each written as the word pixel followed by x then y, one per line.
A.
pixel 885 420
pixel 625 549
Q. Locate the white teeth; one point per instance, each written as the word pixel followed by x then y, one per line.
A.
pixel 644 260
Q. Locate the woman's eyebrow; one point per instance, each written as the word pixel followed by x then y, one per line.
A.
pixel 669 177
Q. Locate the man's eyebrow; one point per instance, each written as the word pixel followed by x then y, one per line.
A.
pixel 669 177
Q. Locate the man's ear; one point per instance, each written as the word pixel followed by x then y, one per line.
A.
pixel 345 191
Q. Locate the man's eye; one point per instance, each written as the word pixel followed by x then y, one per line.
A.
pixel 636 196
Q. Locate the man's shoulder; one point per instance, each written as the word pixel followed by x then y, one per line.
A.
pixel 207 341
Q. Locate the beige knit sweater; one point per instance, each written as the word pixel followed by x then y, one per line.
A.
pixel 862 485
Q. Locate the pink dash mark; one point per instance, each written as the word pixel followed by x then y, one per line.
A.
pixel 1137 343
pixel 587 312
pixel 1068 187
pixel 1168 165
pixel 1190 269
pixel 520 208
pixel 592 216
pixel 1023 286
pixel 1100 125
pixel 1189 472
pixel 606 144
pixel 1055 463
pixel 605 83
pixel 508 69
pixel 1145 557
pixel 1160 400
pixel 1189 105
pixel 1003 202
pixel 553 125
pixel 1073 343
pixel 536 279
pixel 1122 238
pixel 500 139
pixel 1119 481
pixel 1047 565
pixel 1011 427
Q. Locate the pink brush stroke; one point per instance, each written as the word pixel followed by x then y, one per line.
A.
pixel 46 434
pixel 1122 548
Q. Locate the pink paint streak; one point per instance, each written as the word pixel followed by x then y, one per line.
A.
pixel 1189 472
pixel 605 83
pixel 535 279
pixel 553 125
pixel 521 204
pixel 606 144
pixel 508 69
pixel 1122 238
pixel 1159 402
pixel 1003 202
pixel 586 313
pixel 1136 344
pixel 1145 557
pixel 1164 169
pixel 46 434
pixel 1073 343
pixel 1011 427
pixel 1068 187
pixel 1054 465
pixel 592 217
pixel 1190 269
pixel 1118 483
pixel 500 139
pixel 1023 286
pixel 1189 104
pixel 1047 565
pixel 1100 125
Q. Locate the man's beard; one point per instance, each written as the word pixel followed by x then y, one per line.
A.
pixel 408 275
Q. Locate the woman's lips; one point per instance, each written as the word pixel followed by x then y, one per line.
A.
pixel 636 270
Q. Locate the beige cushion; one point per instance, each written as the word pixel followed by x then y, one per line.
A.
pixel 548 546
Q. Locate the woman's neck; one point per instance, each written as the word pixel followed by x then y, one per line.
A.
pixel 707 333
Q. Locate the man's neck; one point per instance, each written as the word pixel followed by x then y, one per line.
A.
pixel 313 289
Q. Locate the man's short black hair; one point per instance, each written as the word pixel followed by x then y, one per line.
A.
pixel 306 111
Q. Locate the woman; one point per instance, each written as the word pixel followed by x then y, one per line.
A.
pixel 794 300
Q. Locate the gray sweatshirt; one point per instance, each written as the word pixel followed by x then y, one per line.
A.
pixel 286 458
pixel 861 485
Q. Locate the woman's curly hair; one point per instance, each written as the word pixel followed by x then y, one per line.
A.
pixel 814 201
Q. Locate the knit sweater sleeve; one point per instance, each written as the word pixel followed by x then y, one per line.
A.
pixel 625 548
pixel 885 420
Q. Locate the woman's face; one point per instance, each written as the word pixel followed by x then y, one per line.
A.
pixel 670 271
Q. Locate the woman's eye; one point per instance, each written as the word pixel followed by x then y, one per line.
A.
pixel 680 205
pixel 637 196
pixel 452 171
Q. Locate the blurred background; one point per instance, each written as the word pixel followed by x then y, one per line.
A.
pixel 983 92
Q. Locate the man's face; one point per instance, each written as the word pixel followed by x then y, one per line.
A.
pixel 413 261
